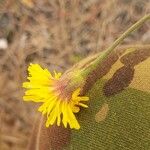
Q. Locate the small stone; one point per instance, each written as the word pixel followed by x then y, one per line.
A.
pixel 3 43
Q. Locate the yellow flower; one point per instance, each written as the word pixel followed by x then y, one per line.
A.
pixel 58 101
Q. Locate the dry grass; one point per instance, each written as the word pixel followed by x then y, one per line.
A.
pixel 55 34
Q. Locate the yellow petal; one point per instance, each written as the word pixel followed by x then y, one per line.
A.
pixel 72 119
pixel 83 105
pixel 76 93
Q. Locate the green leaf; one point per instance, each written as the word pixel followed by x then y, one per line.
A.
pixel 126 126
pixel 118 117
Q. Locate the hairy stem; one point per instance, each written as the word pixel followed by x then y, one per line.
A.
pixel 110 49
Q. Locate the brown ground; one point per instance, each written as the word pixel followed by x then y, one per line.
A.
pixel 55 34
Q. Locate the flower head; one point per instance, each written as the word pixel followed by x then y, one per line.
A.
pixel 59 101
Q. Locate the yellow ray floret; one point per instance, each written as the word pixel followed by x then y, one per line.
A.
pixel 42 88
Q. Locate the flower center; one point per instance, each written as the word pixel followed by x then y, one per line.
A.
pixel 62 90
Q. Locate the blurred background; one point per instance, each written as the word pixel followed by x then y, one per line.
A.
pixel 55 34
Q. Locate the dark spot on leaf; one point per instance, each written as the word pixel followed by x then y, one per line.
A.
pixel 100 71
pixel 120 80
pixel 134 58
pixel 54 137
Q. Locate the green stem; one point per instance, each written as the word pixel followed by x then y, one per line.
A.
pixel 110 49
